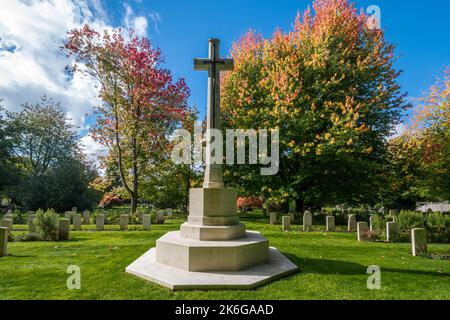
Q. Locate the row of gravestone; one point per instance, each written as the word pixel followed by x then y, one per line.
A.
pixel 6 225
pixel 418 236
pixel 287 221
pixel 78 220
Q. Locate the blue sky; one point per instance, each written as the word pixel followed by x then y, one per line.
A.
pixel 31 30
pixel 419 28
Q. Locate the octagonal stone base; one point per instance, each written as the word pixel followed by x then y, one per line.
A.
pixel 147 268
pixel 193 255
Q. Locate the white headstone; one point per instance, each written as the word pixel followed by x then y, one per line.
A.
pixel 362 227
pixel 391 231
pixel 331 225
pixel 286 223
pixel 77 222
pixel 75 209
pixel 307 221
pixel 64 229
pixel 419 241
pixel 124 219
pixel 273 218
pixel 7 223
pixel 30 222
pixel 3 242
pixel 100 222
pixel 160 217
pixel 147 221
pixel 352 223
pixel 68 215
pixel 292 215
pixel 170 213
pixel 87 217
pixel 371 223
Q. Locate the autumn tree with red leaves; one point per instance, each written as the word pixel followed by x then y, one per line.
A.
pixel 142 104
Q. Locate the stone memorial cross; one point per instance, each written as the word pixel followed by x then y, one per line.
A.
pixel 214 65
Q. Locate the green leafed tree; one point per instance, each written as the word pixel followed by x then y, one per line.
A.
pixel 330 87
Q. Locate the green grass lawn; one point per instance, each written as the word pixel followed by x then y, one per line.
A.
pixel 333 266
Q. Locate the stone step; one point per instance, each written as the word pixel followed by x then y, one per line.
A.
pixel 193 255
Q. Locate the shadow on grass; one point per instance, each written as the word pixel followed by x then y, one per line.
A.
pixel 336 267
pixel 20 256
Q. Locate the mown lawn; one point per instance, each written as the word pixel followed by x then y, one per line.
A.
pixel 333 266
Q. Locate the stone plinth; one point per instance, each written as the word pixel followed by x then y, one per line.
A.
pixel 68 215
pixel 194 255
pixel 147 268
pixel 214 244
pixel 419 241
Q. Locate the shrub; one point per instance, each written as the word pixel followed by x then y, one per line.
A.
pixel 438 226
pixel 408 220
pixel 110 201
pixel 28 237
pixel 19 217
pixel 371 236
pixel 379 223
pixel 47 225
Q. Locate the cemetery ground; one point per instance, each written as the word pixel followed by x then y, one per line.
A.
pixel 333 266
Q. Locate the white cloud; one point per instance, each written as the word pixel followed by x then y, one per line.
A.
pixel 400 129
pixel 156 18
pixel 138 23
pixel 31 63
pixel 92 149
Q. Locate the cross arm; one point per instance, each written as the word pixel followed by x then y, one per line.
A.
pixel 202 64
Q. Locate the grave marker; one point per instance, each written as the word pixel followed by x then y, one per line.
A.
pixel 362 227
pixel 391 231
pixel 273 218
pixel 352 223
pixel 30 222
pixel 77 222
pixel 419 241
pixel 3 242
pixel 331 225
pixel 307 221
pixel 87 217
pixel 64 229
pixel 124 219
pixel 147 221
pixel 7 223
pixel 100 222
pixel 286 223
